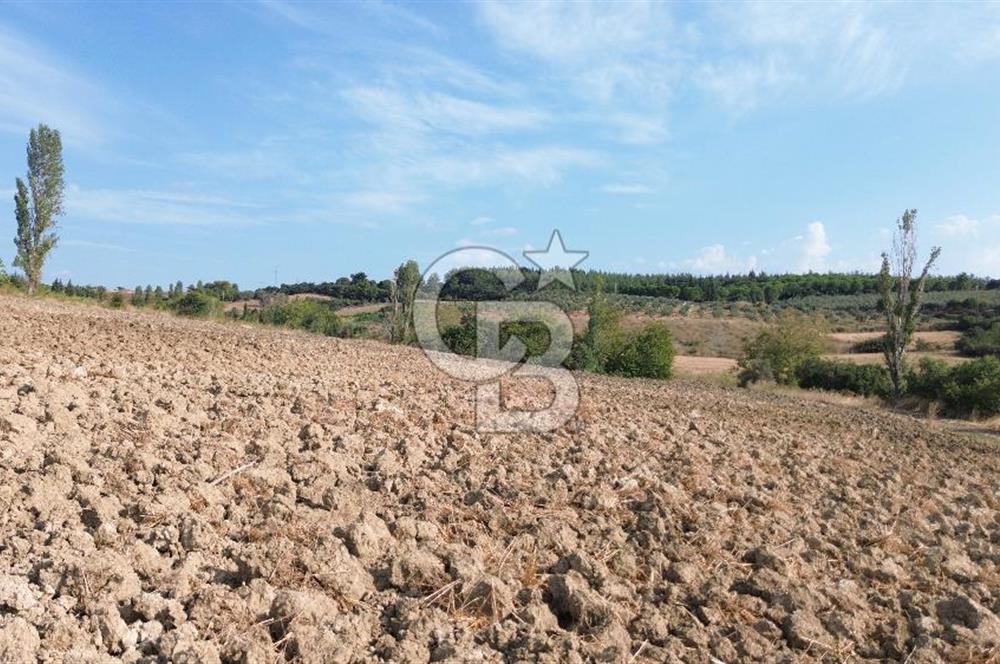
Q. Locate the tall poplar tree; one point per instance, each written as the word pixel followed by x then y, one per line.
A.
pixel 38 203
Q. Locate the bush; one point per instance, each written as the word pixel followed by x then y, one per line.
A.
pixel 971 388
pixel 777 352
pixel 309 315
pixel 648 354
pixel 117 300
pixel 873 345
pixel 980 341
pixel 462 338
pixel 603 339
pixel 197 305
pixel 863 379
pixel 534 335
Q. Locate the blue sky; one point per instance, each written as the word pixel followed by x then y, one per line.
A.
pixel 216 140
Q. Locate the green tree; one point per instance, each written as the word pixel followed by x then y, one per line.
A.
pixel 403 293
pixel 38 203
pixel 778 351
pixel 603 338
pixel 900 298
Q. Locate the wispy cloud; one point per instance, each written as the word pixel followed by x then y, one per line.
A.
pixel 439 112
pixel 87 244
pixel 37 87
pixel 503 231
pixel 959 226
pixel 626 189
pixel 481 220
pixel 542 165
pixel 133 206
pixel 383 201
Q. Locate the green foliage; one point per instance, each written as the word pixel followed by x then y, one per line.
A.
pixel 863 379
pixel 311 315
pixel 403 293
pixel 900 298
pixel 533 334
pixel 968 389
pixel 603 339
pixel 196 305
pixel 873 345
pixel 778 351
pixel 461 338
pixel 117 300
pixel 38 203
pixel 648 354
pixel 980 340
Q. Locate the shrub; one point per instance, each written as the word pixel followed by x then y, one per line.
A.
pixel 534 335
pixel 461 338
pixel 603 339
pixel 873 345
pixel 929 381
pixel 777 352
pixel 863 379
pixel 197 305
pixel 309 315
pixel 117 300
pixel 980 341
pixel 971 388
pixel 648 354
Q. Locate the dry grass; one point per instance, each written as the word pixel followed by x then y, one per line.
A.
pixel 690 365
pixel 914 357
pixel 941 339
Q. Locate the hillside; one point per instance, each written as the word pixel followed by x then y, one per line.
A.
pixel 212 492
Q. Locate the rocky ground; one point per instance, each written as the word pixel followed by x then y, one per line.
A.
pixel 204 492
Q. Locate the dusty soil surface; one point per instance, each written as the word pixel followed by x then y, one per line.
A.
pixel 693 365
pixel 200 492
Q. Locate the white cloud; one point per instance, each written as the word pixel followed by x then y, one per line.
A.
pixel 715 259
pixel 636 129
pixel 740 85
pixel 504 231
pixel 958 226
pixel 622 188
pixel 155 207
pixel 815 248
pixel 35 87
pixel 481 220
pixel 439 112
pixel 544 165
pixel 382 201
pixel 564 31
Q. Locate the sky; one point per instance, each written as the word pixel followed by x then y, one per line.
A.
pixel 249 141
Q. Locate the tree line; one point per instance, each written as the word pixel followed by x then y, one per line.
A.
pixel 755 287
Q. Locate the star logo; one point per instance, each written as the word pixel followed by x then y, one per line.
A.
pixel 555 261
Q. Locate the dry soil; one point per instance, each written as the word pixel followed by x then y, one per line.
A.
pixel 205 492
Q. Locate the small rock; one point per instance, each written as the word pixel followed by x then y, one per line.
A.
pixel 802 630
pixel 15 593
pixel 368 537
pixel 18 642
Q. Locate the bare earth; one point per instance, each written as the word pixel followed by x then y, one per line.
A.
pixel 201 492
